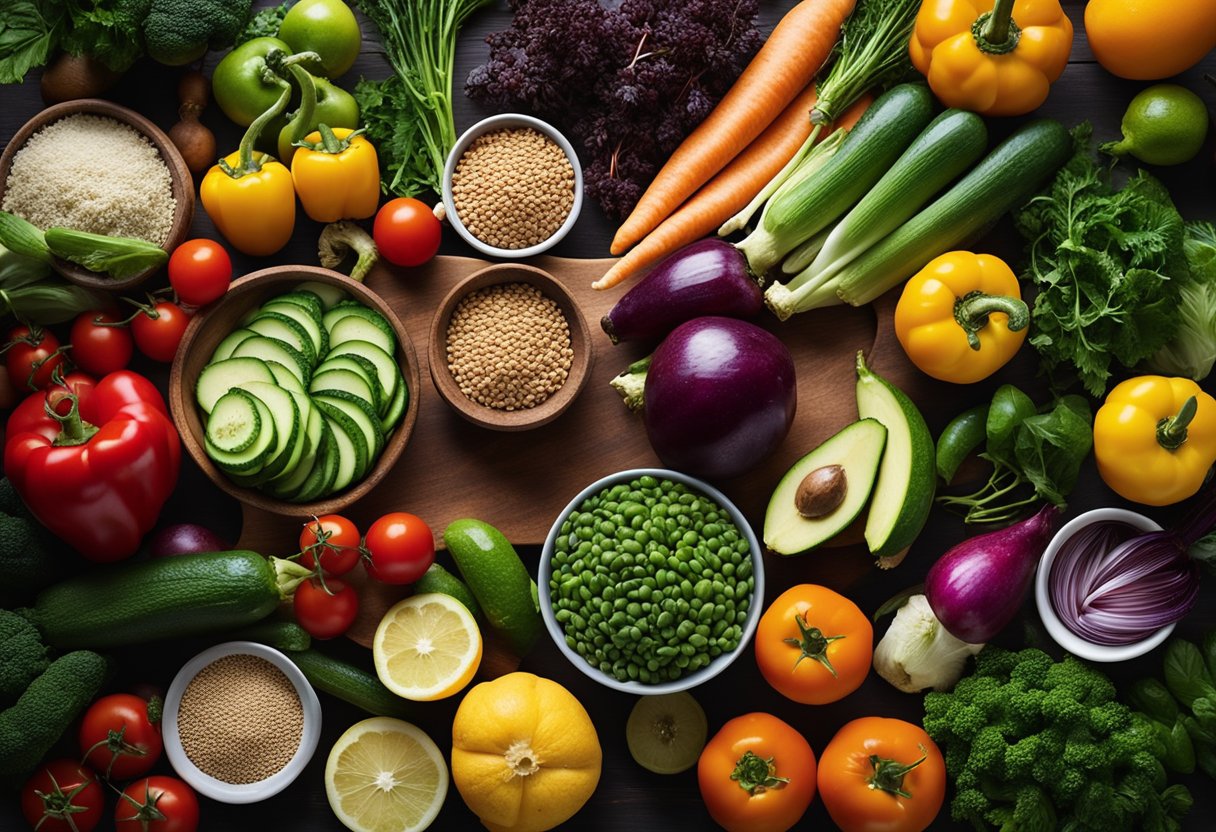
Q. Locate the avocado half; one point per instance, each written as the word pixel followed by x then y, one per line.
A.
pixel 858 450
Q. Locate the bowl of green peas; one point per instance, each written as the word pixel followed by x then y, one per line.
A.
pixel 651 581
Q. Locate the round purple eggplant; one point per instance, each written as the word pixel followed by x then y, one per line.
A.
pixel 719 395
pixel 709 277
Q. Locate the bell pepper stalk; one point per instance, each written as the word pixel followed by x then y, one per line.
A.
pixel 298 127
pixel 336 175
pixel 95 463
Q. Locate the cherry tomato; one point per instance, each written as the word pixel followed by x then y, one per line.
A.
pixel 63 796
pixel 882 775
pixel 200 271
pixel 325 610
pixel 118 736
pixel 757 775
pixel 157 337
pixel 814 645
pixel 157 804
pixel 400 547
pixel 31 357
pixel 406 232
pixel 100 349
pixel 334 539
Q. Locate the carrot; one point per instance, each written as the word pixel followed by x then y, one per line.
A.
pixel 783 67
pixel 732 188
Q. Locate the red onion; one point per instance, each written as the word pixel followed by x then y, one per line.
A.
pixel 185 539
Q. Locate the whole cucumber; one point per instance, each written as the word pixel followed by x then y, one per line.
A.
pixel 143 601
pixel 498 578
pixel 438 579
pixel 350 684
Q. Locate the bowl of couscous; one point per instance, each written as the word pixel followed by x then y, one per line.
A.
pixel 92 165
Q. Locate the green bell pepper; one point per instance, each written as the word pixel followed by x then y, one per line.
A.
pixel 240 82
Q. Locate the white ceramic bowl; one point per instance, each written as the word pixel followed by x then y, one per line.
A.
pixel 1065 637
pixel 209 786
pixel 503 122
pixel 697 677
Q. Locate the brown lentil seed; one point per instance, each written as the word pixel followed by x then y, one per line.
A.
pixel 508 346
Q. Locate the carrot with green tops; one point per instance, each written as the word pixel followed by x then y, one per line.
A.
pixel 731 189
pixel 783 67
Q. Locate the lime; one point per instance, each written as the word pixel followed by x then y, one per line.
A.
pixel 1164 125
pixel 666 733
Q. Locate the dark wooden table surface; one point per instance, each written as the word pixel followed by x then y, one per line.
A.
pixel 628 796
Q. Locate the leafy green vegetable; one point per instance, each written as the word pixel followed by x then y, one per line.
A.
pixel 265 22
pixel 403 152
pixel 1035 455
pixel 1108 267
pixel 1192 352
pixel 1036 744
pixel 1186 675
pixel 119 257
pixel 108 30
pixel 29 31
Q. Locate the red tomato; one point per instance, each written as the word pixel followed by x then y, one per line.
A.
pixel 325 610
pixel 157 337
pixel 31 357
pixel 200 271
pixel 406 232
pixel 400 547
pixel 157 804
pixel 119 738
pixel 332 538
pixel 100 350
pixel 62 796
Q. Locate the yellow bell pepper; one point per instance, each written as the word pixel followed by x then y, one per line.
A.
pixel 996 59
pixel 249 196
pixel 961 318
pixel 336 175
pixel 1155 439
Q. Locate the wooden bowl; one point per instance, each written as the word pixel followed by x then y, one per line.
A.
pixel 580 342
pixel 179 178
pixel 209 327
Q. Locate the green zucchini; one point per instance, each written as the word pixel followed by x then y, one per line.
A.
pixel 143 601
pixel 1006 178
pixel 799 209
pixel 279 634
pixel 350 684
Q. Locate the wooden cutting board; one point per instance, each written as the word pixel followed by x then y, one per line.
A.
pixel 520 481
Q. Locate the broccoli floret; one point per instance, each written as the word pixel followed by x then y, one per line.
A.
pixel 177 32
pixel 29 561
pixel 22 655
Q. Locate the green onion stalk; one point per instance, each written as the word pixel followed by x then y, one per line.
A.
pixel 872 51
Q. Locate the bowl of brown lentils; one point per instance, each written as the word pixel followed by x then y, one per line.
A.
pixel 512 186
pixel 509 349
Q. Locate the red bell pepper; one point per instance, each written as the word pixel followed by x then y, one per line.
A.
pixel 95 463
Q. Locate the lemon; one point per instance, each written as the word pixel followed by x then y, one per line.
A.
pixel 1164 125
pixel 427 647
pixel 385 775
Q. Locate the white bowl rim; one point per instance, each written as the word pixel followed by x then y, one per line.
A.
pixel 697 677
pixel 1056 628
pixel 216 789
pixel 505 120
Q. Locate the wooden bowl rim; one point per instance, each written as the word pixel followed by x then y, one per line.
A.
pixel 580 343
pixel 182 401
pixel 180 181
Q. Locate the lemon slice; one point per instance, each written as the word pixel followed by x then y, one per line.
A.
pixel 385 775
pixel 427 647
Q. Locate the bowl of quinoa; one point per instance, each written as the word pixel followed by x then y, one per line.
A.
pixel 509 349
pixel 91 165
pixel 512 186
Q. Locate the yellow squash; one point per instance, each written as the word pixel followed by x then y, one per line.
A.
pixel 961 318
pixel 996 59
pixel 336 175
pixel 1146 40
pixel 525 755
pixel 1155 439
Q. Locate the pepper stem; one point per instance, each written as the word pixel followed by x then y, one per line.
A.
pixel 246 164
pixel 972 310
pixel 329 143
pixel 813 643
pixel 307 110
pixel 889 775
pixel 754 774
pixel 1171 431
pixel 73 429
pixel 996 32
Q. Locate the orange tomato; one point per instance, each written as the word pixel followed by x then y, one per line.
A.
pixel 1147 40
pixel 757 775
pixel 814 645
pixel 882 775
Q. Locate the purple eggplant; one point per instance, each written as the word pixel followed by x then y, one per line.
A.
pixel 719 396
pixel 709 277
pixel 977 587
